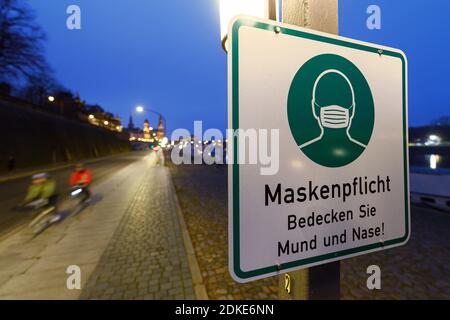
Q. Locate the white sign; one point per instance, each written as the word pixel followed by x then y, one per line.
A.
pixel 341 189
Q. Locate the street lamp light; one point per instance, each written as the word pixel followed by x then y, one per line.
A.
pixel 91 116
pixel 433 140
pixel 51 98
pixel 106 123
pixel 265 9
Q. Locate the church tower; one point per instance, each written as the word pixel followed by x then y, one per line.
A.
pixel 161 133
pixel 146 130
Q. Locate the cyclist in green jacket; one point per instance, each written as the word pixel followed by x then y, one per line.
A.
pixel 42 187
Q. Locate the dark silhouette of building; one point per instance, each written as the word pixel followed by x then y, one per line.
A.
pixel 130 124
pixel 422 135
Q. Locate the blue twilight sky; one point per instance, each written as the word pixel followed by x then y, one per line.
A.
pixel 166 54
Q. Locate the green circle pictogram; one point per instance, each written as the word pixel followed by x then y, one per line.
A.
pixel 330 110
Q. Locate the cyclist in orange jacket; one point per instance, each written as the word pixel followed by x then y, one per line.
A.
pixel 82 177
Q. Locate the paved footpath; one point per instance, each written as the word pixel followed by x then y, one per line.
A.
pixel 129 245
pixel 146 258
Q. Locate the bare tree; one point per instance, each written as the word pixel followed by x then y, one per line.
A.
pixel 21 50
pixel 38 88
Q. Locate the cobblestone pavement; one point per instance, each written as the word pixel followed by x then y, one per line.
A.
pixel 418 270
pixel 202 192
pixel 146 258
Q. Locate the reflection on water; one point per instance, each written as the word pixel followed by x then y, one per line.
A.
pixel 434 159
pixel 430 163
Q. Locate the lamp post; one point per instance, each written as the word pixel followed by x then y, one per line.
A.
pixel 321 282
pixel 141 109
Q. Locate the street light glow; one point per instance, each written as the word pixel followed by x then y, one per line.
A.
pixel 51 98
pixel 91 116
pixel 140 109
pixel 433 140
pixel 231 8
pixel 434 137
pixel 106 123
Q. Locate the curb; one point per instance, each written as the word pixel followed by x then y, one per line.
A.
pixel 197 279
pixel 54 167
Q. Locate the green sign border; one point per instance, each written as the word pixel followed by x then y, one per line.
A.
pixel 240 22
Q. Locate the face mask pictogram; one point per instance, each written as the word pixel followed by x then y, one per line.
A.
pixel 334 116
pixel 333 107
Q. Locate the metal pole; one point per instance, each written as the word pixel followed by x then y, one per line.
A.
pixel 272 7
pixel 321 282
